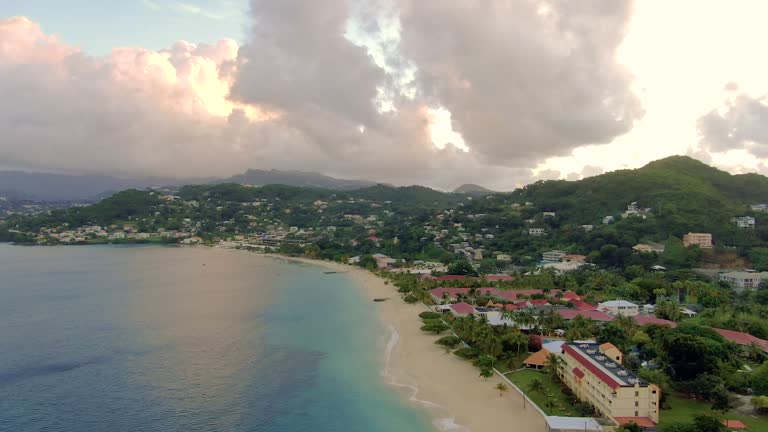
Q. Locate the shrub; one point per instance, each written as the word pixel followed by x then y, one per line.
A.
pixel 429 315
pixel 410 298
pixel 449 341
pixel 467 352
pixel 435 327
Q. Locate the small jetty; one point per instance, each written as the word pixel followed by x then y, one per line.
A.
pixel 381 299
pixel 334 272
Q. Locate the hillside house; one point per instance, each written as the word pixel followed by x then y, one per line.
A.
pixel 536 232
pixel 744 222
pixel 702 240
pixel 741 280
pixel 619 307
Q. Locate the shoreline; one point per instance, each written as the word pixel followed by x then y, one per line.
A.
pixel 445 387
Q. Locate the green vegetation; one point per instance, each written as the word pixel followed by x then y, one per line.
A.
pixel 543 391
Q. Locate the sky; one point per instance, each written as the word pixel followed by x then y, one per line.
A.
pixel 497 93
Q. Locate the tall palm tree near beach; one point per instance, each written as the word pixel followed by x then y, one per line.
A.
pixel 502 388
pixel 552 364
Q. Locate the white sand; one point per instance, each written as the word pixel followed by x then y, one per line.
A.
pixel 448 387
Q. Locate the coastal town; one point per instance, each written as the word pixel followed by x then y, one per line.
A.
pixel 629 315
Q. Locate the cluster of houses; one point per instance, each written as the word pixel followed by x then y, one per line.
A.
pixel 124 232
pixel 562 262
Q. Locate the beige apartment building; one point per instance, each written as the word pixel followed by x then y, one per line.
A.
pixel 703 240
pixel 594 376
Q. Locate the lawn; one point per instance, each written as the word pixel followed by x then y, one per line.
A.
pixel 523 380
pixel 684 409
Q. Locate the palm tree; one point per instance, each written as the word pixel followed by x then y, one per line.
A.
pixel 537 386
pixel 486 373
pixel 502 388
pixel 552 364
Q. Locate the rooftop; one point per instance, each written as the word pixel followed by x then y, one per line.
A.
pixel 602 366
pixel 644 320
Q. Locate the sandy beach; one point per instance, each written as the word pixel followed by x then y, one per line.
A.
pixel 444 385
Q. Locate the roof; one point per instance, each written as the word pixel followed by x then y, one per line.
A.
pixel 606 346
pixel 463 308
pixel 554 346
pixel 539 358
pixel 569 314
pixel 742 338
pixel 734 424
pixel 640 421
pixel 580 305
pixel 570 295
pixel 616 303
pixel 644 320
pixel 451 277
pixel 604 368
pixel 573 423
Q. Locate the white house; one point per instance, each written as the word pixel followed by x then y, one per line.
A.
pixel 548 214
pixel 618 307
pixel 503 258
pixel 740 280
pixel 536 231
pixel 745 222
pixel 763 208
pixel 608 219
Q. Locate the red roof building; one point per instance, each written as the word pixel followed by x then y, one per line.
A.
pixel 569 314
pixel 742 338
pixel 734 424
pixel 499 278
pixel 583 306
pixel 644 320
pixel 462 309
pixel 570 295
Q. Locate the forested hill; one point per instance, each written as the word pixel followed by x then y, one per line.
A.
pixel 683 192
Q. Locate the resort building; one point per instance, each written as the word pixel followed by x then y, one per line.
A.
pixel 553 256
pixel 593 375
pixel 462 309
pixel 702 240
pixel 619 307
pixel 741 280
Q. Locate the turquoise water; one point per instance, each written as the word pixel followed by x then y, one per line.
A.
pixel 179 339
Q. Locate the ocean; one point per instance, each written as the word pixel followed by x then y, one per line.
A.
pixel 140 338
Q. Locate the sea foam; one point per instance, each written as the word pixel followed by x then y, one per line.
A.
pixel 442 423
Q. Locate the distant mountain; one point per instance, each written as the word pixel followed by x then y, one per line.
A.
pixel 66 187
pixel 296 178
pixel 470 188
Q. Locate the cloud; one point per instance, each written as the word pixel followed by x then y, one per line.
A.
pixel 523 80
pixel 591 171
pixel 742 125
pixel 303 93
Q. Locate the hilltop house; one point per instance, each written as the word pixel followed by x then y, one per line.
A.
pixel 741 280
pixel 536 231
pixel 553 256
pixel 649 247
pixel 762 208
pixel 703 240
pixel 607 220
pixel 744 222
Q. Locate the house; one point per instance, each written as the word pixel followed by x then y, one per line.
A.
pixel 562 267
pixel 383 261
pixel 462 309
pixel 575 258
pixel 570 295
pixel 762 208
pixel 610 350
pixel 619 307
pixel 583 306
pixel 552 256
pixel 536 231
pixel 703 240
pixel 587 228
pixel 608 220
pixel 649 247
pixel 741 280
pixel 743 339
pixel 569 314
pixel 744 222
pixel 354 260
pixel 548 214
pixel 595 377
pixel 644 320
pixel 538 359
pixel 503 258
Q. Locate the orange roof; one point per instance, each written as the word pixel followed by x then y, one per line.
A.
pixel 538 358
pixel 640 421
pixel 734 424
pixel 606 346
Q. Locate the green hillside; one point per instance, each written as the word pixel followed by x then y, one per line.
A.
pixel 684 194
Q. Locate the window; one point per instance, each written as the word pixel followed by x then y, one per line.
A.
pixel 637 393
pixel 637 414
pixel 637 404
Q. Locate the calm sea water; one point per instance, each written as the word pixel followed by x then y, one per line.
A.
pixel 178 339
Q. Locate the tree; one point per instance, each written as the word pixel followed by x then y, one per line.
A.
pixel 629 427
pixel 516 339
pixel 552 364
pixel 487 266
pixel 502 388
pixel 537 386
pixel 486 373
pixel 708 423
pixel 368 262
pixel 462 267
